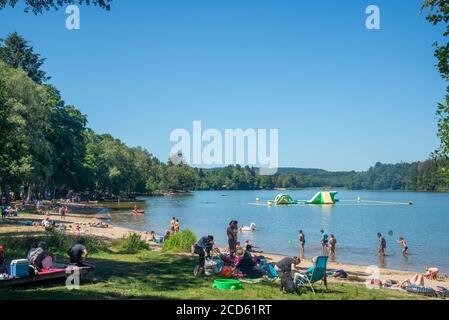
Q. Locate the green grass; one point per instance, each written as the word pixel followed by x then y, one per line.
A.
pixel 158 275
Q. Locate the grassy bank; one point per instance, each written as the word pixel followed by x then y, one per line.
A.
pixel 157 275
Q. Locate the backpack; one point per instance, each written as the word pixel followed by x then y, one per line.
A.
pixel 269 270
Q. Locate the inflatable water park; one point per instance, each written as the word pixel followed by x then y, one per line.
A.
pixel 322 198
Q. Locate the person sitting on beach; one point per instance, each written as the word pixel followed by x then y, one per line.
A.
pixel 167 235
pixel 10 211
pixel 431 273
pixel 39 257
pixel 309 271
pixel 78 253
pixel 382 244
pixel 403 242
pixel 250 248
pixel 3 268
pixel 152 237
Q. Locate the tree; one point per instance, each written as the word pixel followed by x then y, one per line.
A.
pixel 16 52
pixel 439 14
pixel 39 6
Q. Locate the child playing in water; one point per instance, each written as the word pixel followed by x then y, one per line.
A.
pixel 403 242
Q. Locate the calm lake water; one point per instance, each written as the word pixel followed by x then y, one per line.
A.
pixel 425 224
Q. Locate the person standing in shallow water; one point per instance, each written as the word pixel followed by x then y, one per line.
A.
pixel 382 245
pixel 332 243
pixel 324 241
pixel 172 224
pixel 302 242
pixel 403 242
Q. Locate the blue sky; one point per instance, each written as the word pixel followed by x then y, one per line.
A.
pixel 343 97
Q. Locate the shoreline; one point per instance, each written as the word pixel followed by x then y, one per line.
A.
pixel 357 274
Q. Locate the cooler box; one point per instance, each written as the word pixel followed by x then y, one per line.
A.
pixel 19 268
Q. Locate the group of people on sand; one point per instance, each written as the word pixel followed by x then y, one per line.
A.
pixel 240 261
pixel 10 211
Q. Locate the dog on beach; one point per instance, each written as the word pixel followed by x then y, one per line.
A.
pixel 287 283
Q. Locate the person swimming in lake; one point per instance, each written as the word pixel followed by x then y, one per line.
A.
pixel 382 245
pixel 403 242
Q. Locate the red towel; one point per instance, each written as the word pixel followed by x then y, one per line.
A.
pixel 51 271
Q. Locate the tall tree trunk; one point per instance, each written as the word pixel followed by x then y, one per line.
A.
pixel 7 198
pixel 28 197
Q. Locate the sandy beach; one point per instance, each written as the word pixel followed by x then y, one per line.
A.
pixel 356 273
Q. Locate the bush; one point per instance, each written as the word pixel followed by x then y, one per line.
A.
pixel 131 243
pixel 180 242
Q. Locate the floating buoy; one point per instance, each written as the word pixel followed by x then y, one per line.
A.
pixel 410 203
pixel 270 203
pixel 257 199
pixel 359 199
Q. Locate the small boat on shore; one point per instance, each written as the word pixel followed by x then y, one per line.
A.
pixel 58 272
pixel 138 212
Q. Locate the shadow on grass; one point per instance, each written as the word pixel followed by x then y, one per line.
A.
pixel 145 278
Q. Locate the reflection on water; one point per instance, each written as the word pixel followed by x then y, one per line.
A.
pixel 355 225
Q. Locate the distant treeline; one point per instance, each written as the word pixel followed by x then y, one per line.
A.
pixel 429 175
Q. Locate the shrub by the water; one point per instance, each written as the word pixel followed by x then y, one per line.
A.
pixel 180 242
pixel 131 243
